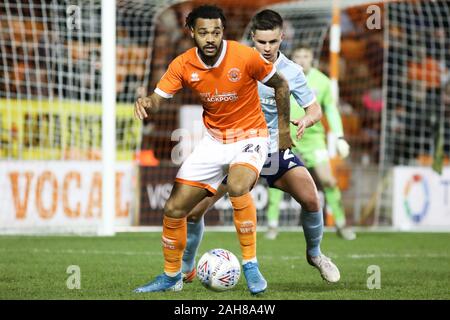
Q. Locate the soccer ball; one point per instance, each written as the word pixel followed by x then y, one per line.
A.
pixel 219 270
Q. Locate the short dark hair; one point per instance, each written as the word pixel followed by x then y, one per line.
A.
pixel 267 20
pixel 205 12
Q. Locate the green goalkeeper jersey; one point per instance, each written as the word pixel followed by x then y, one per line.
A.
pixel 321 86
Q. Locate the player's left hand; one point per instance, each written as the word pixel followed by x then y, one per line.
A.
pixel 285 140
pixel 301 126
pixel 342 148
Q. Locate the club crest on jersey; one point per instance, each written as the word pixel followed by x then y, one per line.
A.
pixel 195 77
pixel 234 75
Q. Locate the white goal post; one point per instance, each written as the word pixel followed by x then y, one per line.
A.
pixel 108 115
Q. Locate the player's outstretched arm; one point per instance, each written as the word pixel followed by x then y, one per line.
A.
pixel 313 114
pixel 281 86
pixel 144 106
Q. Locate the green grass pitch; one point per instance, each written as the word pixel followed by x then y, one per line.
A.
pixel 412 266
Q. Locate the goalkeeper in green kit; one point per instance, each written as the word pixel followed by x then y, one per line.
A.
pixel 312 147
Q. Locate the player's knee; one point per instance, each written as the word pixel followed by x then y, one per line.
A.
pixel 237 189
pixel 195 216
pixel 311 203
pixel 173 211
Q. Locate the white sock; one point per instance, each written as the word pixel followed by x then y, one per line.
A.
pixel 254 260
pixel 172 274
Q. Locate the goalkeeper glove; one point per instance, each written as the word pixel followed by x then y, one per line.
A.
pixel 342 148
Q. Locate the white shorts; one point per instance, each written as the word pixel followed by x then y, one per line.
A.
pixel 210 161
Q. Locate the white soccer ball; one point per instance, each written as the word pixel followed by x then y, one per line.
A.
pixel 218 270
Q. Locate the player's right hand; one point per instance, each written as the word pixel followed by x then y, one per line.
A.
pixel 139 107
pixel 301 126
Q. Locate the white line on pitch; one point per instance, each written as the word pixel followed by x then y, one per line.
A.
pixel 293 257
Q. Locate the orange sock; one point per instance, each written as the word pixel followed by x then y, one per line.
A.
pixel 173 242
pixel 245 223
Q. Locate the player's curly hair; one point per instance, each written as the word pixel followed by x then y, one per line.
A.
pixel 267 20
pixel 205 12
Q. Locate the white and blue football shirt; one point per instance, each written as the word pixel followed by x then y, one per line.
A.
pixel 298 88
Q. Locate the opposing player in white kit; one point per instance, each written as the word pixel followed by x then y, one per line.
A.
pixel 225 75
pixel 283 170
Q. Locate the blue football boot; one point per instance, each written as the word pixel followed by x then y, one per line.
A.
pixel 163 283
pixel 255 281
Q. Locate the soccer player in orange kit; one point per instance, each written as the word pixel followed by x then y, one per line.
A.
pixel 283 170
pixel 224 74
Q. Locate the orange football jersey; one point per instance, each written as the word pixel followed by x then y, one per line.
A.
pixel 228 90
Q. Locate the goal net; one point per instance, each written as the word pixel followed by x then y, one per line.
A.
pixel 51 111
pixel 417 80
pixel 416 119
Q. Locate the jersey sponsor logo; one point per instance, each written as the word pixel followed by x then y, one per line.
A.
pixel 218 97
pixel 234 74
pixel 195 77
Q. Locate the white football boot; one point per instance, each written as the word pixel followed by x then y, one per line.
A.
pixel 327 269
